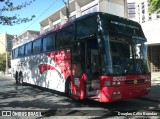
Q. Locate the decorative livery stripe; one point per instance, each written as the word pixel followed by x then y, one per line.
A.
pixel 45 67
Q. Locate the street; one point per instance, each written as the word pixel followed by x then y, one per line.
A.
pixel 52 103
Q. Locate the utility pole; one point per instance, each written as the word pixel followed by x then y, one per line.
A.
pixel 67 8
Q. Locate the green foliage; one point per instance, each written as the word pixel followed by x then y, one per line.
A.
pixel 3 62
pixel 154 6
pixel 15 19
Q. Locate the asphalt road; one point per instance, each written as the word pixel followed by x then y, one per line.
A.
pixel 51 104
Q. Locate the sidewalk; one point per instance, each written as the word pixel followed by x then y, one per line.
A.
pixel 154 94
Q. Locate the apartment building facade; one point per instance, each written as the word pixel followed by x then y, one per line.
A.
pixel 78 8
pixel 25 37
pixel 5 43
pixel 150 22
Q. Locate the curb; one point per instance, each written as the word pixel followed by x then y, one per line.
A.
pixel 150 99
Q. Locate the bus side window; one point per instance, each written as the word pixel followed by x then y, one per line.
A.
pixel 28 48
pixel 16 53
pixel 86 27
pixel 21 51
pixel 48 42
pixel 13 55
pixel 37 46
pixel 64 37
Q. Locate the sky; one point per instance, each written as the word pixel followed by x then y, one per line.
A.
pixel 40 8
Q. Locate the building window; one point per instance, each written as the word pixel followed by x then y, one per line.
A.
pixel 150 16
pixel 142 5
pixel 131 10
pixel 143 17
pixel 143 11
pixel 132 16
pixel 158 15
pixel 131 5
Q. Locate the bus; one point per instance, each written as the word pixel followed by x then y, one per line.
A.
pixel 97 56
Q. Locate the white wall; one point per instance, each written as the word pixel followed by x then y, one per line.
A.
pixel 115 9
pixel 151 30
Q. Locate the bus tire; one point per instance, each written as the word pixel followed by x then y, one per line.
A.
pixel 16 77
pixel 20 78
pixel 68 87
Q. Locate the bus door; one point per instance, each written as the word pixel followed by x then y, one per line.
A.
pixel 85 69
pixel 92 68
pixel 78 75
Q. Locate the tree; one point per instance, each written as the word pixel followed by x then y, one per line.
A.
pixel 154 6
pixel 3 61
pixel 15 19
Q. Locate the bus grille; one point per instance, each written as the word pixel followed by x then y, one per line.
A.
pixel 134 81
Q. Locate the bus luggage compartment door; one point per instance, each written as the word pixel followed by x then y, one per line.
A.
pixel 77 87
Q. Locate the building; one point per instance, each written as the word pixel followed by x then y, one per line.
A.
pixel 24 37
pixel 5 42
pixel 138 10
pixel 78 8
pixel 150 22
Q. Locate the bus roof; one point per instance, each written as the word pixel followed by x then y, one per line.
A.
pixel 118 24
pixel 110 19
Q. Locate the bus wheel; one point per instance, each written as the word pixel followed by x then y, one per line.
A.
pixel 69 92
pixel 68 87
pixel 20 78
pixel 16 77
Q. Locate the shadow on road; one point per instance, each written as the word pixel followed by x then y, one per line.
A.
pixel 55 103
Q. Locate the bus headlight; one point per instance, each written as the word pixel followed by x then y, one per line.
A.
pixel 116 83
pixel 118 93
pixel 114 93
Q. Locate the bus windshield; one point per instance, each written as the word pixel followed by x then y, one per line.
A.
pixel 127 56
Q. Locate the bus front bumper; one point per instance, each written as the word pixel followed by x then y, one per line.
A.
pixel 111 94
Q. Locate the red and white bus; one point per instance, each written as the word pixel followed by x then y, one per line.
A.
pixel 98 56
